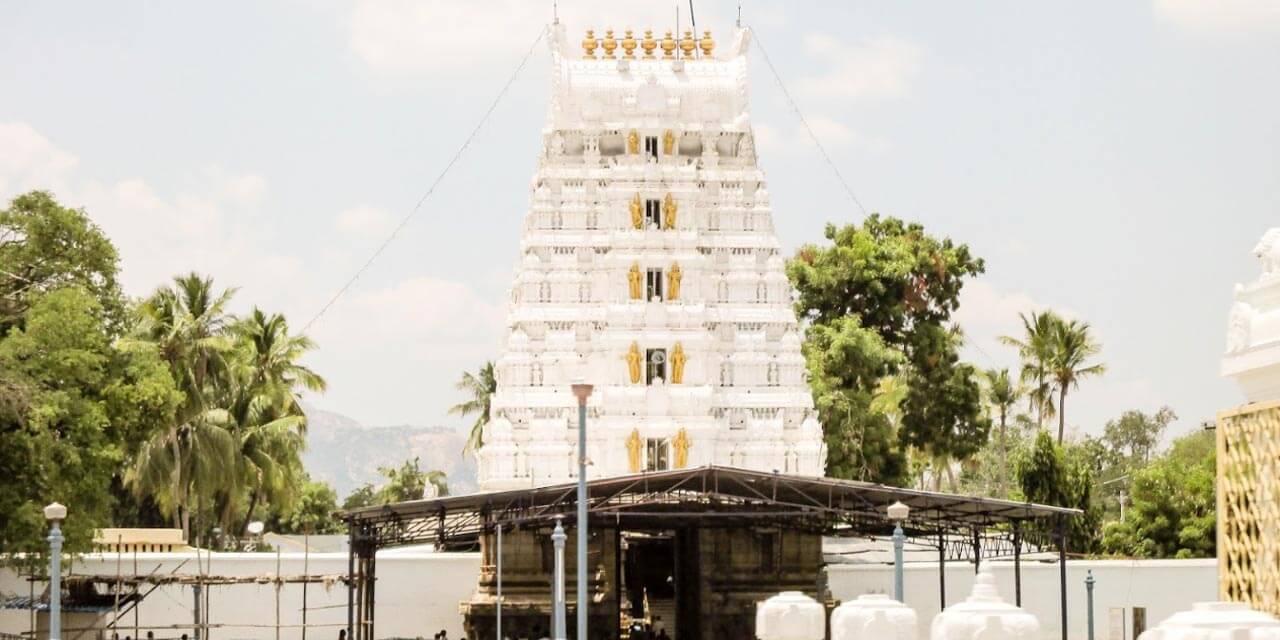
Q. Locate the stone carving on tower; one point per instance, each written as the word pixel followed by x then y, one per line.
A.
pixel 649 243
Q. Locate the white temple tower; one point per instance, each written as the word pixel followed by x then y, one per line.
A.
pixel 649 267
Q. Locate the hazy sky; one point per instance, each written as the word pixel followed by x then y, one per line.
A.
pixel 1115 160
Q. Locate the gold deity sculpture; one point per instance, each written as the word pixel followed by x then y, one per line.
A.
pixel 677 364
pixel 707 44
pixel 589 45
pixel 668 142
pixel 633 363
pixel 669 210
pixel 648 44
pixel 637 212
pixel 687 44
pixel 608 44
pixel 673 281
pixel 634 281
pixel 629 46
pixel 680 445
pixel 633 142
pixel 634 445
pixel 668 46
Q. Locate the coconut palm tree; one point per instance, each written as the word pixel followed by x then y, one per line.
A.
pixel 269 423
pixel 1002 393
pixel 1072 346
pixel 1035 347
pixel 186 323
pixel 480 386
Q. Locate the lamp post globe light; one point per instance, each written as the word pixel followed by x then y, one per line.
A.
pixel 582 391
pixel 55 514
pixel 897 513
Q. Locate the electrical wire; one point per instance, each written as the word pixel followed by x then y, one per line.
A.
pixel 805 123
pixel 435 183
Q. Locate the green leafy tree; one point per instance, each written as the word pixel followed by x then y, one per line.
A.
pixel 189 461
pixel 45 246
pixel 1135 435
pixel 1051 475
pixel 1002 393
pixel 1173 512
pixel 1073 345
pixel 405 482
pixel 1035 347
pixel 268 422
pixel 876 302
pixel 76 405
pixel 312 511
pixel 480 387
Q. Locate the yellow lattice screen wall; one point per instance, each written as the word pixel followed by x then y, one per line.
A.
pixel 1249 506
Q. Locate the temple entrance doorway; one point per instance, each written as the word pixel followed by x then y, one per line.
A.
pixel 659 589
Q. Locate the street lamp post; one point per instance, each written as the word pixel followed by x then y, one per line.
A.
pixel 55 514
pixel 582 391
pixel 897 513
pixel 557 619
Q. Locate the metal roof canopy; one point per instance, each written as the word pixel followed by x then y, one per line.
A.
pixel 713 496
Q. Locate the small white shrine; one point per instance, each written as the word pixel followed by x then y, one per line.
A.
pixel 649 268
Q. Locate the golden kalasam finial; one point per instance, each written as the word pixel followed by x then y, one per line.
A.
pixel 707 44
pixel 687 44
pixel 648 44
pixel 609 43
pixel 629 46
pixel 668 45
pixel 589 44
pixel 668 143
pixel 633 142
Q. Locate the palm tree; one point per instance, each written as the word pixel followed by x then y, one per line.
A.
pixel 186 323
pixel 480 386
pixel 1003 394
pixel 269 422
pixel 1036 349
pixel 1072 346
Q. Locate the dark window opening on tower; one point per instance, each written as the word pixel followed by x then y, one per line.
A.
pixel 657 456
pixel 655 365
pixel 651 146
pixel 653 213
pixel 653 284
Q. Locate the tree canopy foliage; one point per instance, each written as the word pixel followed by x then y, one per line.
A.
pixel 136 413
pixel 1173 512
pixel 877 302
pixel 405 482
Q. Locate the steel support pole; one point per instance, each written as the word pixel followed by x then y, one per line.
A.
pixel 55 581
pixel 582 520
pixel 1017 565
pixel 558 617
pixel 351 580
pixel 898 541
pixel 1062 571
pixel 942 571
pixel 498 631
pixel 977 551
pixel 582 391
pixel 1088 587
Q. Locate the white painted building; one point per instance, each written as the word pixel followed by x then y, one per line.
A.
pixel 649 267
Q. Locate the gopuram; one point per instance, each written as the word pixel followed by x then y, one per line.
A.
pixel 649 267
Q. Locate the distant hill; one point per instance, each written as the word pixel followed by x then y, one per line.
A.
pixel 347 454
